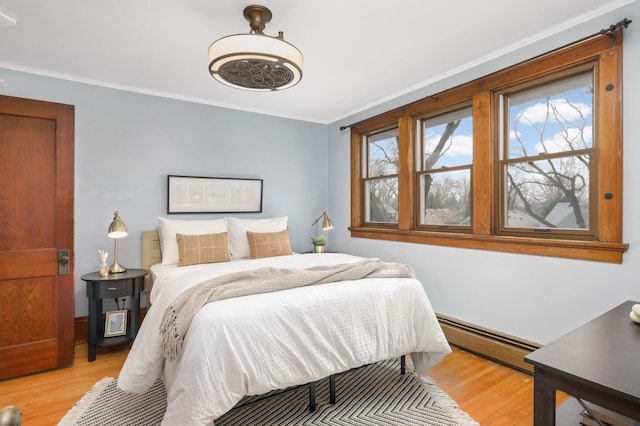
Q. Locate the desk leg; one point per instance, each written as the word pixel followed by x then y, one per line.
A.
pixel 544 399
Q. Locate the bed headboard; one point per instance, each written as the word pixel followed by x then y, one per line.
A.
pixel 150 255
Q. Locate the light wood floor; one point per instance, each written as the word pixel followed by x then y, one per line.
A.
pixel 491 393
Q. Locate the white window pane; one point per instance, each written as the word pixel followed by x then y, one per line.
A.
pixel 448 140
pixel 445 198
pixel 548 194
pixel 383 153
pixel 553 118
pixel 381 200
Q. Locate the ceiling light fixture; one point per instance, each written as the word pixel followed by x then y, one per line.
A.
pixel 255 61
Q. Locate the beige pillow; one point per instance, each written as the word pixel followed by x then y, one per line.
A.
pixel 268 244
pixel 168 228
pixel 206 248
pixel 238 228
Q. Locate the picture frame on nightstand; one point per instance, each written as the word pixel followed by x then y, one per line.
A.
pixel 115 323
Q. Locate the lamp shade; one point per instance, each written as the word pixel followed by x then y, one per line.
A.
pixel 327 224
pixel 117 229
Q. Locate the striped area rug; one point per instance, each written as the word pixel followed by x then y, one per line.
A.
pixel 373 395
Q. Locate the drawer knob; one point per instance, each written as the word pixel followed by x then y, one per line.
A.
pixel 112 288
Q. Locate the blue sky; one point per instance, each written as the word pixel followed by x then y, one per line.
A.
pixel 537 132
pixel 533 133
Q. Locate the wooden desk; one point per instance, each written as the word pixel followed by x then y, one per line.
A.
pixel 598 362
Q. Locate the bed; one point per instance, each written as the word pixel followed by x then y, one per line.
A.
pixel 257 343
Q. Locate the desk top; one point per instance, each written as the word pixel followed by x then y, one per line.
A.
pixel 604 351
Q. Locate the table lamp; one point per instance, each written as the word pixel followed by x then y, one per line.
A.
pixel 320 242
pixel 117 230
pixel 327 224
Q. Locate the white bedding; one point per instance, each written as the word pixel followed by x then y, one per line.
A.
pixel 254 344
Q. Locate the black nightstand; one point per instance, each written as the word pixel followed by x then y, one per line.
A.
pixel 129 283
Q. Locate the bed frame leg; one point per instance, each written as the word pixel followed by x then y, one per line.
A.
pixel 402 364
pixel 312 397
pixel 332 389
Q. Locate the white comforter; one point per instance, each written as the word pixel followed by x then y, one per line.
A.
pixel 254 344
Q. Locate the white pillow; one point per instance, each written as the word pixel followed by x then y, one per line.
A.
pixel 169 228
pixel 238 242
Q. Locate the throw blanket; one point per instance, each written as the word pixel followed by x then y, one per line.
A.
pixel 177 317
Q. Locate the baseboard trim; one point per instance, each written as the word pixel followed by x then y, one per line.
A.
pixel 490 344
pixel 81 326
pixel 81 330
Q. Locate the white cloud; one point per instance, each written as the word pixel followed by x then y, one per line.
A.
pixel 558 143
pixel 461 145
pixel 538 113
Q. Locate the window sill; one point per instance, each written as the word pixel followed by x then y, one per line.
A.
pixel 569 249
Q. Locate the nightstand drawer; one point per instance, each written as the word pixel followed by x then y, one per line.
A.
pixel 107 289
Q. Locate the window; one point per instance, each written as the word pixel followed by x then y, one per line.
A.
pixel 444 176
pixel 381 177
pixel 545 161
pixel 525 160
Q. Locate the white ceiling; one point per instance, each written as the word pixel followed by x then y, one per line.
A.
pixel 357 53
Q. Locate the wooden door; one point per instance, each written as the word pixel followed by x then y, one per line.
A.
pixel 36 223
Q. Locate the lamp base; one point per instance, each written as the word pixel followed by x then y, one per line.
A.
pixel 116 268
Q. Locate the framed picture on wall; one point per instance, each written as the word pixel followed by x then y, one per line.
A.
pixel 115 324
pixel 191 194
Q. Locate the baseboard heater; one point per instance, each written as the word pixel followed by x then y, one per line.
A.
pixel 490 344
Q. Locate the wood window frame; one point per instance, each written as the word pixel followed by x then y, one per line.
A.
pixel 590 67
pixel 606 51
pixel 419 151
pixel 367 175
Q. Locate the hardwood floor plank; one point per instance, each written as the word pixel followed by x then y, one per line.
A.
pixel 45 398
pixel 491 393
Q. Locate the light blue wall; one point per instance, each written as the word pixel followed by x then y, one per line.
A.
pixel 531 297
pixel 127 143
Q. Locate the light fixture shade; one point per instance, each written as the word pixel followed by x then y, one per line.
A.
pixel 255 61
pixel 117 229
pixel 327 224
